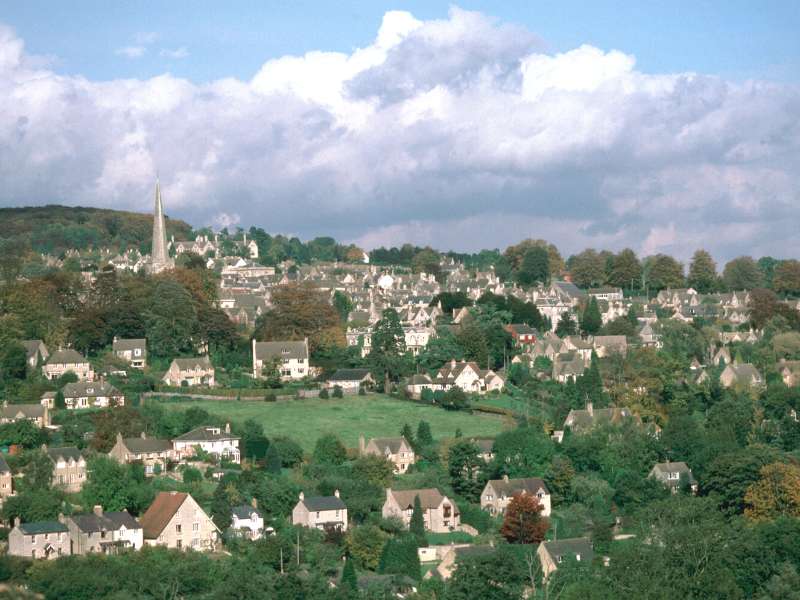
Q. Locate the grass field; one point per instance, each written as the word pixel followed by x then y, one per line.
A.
pixel 374 415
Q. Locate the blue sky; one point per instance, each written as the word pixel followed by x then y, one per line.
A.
pixel 732 38
pixel 660 126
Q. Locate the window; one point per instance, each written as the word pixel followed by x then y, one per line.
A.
pixel 558 558
pixel 178 528
pixel 195 526
pixel 178 544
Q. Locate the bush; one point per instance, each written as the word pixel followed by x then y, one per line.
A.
pixel 426 395
pixel 323 393
pixel 475 516
pixel 192 475
pixel 270 397
pixel 337 391
pixel 362 391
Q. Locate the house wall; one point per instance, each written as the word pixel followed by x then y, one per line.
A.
pixel 33 546
pixel 70 476
pixel 318 519
pixel 197 531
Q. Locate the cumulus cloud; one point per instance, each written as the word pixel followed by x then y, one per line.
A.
pixel 461 133
pixel 131 51
pixel 177 53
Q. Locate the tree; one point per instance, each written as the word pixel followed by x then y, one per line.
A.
pixel 426 261
pixel 664 272
pixel 400 557
pixel 626 270
pixel 776 493
pixel 349 580
pixel 115 487
pixel 417 525
pixel 455 399
pixel 591 319
pixel 514 255
pixel 365 544
pixel 13 361
pixel 742 273
pixel 408 433
pixel 329 450
pixel 523 522
pixel 424 437
pixel 535 266
pixel 588 268
pixel 343 304
pixel 170 319
pixel 221 507
pixel 731 474
pixel 787 277
pixel 192 475
pixel 522 452
pixel 464 467
pixel 388 347
pixel 702 272
pixel 291 452
pixel 494 574
pixel 273 460
pixel 566 325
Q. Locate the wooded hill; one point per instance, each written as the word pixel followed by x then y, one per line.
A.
pixel 53 229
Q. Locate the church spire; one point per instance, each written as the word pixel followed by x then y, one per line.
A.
pixel 160 256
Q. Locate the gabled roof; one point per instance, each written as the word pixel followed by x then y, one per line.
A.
pixel 428 497
pixel 90 388
pixel 288 349
pixel 349 375
pixel 392 443
pixel 121 345
pixel 140 445
pixel 316 503
pixel 509 487
pixel 160 512
pixel 206 433
pixel 110 521
pixel 26 411
pixel 38 527
pixel 66 453
pixel 187 364
pixel 32 346
pixel 244 512
pixel 4 468
pixel 569 548
pixel 67 356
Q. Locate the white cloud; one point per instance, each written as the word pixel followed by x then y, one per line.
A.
pixel 131 51
pixel 176 53
pixel 461 132
pixel 145 38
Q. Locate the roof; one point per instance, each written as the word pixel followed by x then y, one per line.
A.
pixel 584 419
pixel 420 379
pixel 484 444
pixel 110 521
pixel 315 503
pixel 37 527
pixel 522 329
pixel 244 511
pixel 392 443
pixel 4 468
pixel 121 345
pixel 140 445
pixel 160 512
pixel 428 497
pixel 32 346
pixel 67 356
pixel 570 548
pixel 186 364
pixel 349 375
pixel 679 467
pixel 509 487
pixel 207 433
pixel 90 388
pixel 287 349
pixel 66 453
pixel 28 411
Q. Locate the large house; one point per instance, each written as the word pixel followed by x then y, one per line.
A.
pixel 133 351
pixel 553 553
pixel 497 493
pixel 64 361
pixel 350 380
pixel 740 375
pixel 176 520
pixel 41 539
pixel 523 335
pixel 104 533
pixel 190 372
pixel 583 420
pixel 91 394
pixel 440 514
pixel 289 357
pixel 154 454
pixel 219 442
pixel 469 377
pixel 69 468
pixel 38 414
pixel 320 512
pixel 396 450
pixel 674 475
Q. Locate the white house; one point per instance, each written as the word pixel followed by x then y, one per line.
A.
pixel 291 358
pixel 214 440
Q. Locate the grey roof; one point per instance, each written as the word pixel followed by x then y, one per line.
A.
pixel 244 511
pixel 349 375
pixel 428 498
pixel 185 364
pixel 37 527
pixel 67 452
pixel 140 445
pixel 569 548
pixel 32 346
pixel 509 487
pixel 206 433
pixel 4 468
pixel 420 379
pixel 392 443
pixel 109 521
pixel 89 389
pixel 67 356
pixel 315 503
pixel 28 411
pixel 484 444
pixel 287 349
pixel 121 345
pixel 582 419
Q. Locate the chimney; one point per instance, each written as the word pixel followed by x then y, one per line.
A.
pixel 17 521
pixel 254 503
pixel 336 493
pixel 361 445
pixel 143 435
pixel 61 518
pixel 590 409
pixel 227 427
pixel 98 510
pixel 302 496
pixel 505 478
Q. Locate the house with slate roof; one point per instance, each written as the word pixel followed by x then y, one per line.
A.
pixel 554 553
pixel 524 336
pixel 104 532
pixel 444 570
pixel 320 512
pixel 192 371
pixel 133 351
pixel 154 454
pixel 497 493
pixel 350 380
pixel 91 394
pixel 396 450
pixel 38 414
pixel 176 520
pixel 35 352
pixel 674 475
pixel 41 539
pixel 64 361
pixel 6 480
pixel 217 441
pixel 741 375
pixel 789 371
pixel 584 420
pixel 247 522
pixel 291 358
pixel 440 514
pixel 69 468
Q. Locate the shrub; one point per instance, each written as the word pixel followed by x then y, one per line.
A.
pixel 362 391
pixel 323 393
pixel 270 397
pixel 337 391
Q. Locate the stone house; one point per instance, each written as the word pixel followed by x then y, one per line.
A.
pixel 6 480
pixel 69 468
pixel 485 448
pixel 38 414
pixel 469 377
pixel 497 493
pixel 606 345
pixel 416 384
pixel 524 336
pixel 583 420
pixel 740 374
pixel 674 475
pixel 91 394
pixel 291 358
pixel 396 450
pixel 247 521
pixel 154 454
pixel 192 371
pixel 350 380
pixel 104 533
pixel 789 371
pixel 553 553
pixel 133 351
pixel 217 441
pixel 175 520
pixel 320 512
pixel 64 361
pixel 40 539
pixel 36 352
pixel 455 554
pixel 441 515
pixel 606 293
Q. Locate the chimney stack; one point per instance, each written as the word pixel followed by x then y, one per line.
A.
pixel 302 496
pixel 254 503
pixel 98 510
pixel 590 409
pixel 336 493
pixel 505 478
pixel 227 427
pixel 17 521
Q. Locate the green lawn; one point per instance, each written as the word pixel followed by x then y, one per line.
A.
pixel 374 415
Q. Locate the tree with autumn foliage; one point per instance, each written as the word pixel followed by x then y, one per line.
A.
pixel 301 311
pixel 524 523
pixel 775 494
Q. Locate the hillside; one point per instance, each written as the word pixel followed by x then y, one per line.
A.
pixel 54 229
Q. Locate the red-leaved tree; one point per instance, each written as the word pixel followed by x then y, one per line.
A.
pixel 524 523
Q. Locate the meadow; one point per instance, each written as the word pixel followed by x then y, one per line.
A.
pixel 374 415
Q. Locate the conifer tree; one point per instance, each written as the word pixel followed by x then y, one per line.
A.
pixel 349 578
pixel 417 525
pixel 591 319
pixel 273 460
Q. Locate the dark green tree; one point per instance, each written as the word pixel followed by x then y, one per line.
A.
pixel 417 525
pixel 388 348
pixel 273 462
pixel 329 450
pixel 465 468
pixel 703 272
pixel 591 319
pixel 349 580
pixel 535 266
pixel 566 325
pixel 400 557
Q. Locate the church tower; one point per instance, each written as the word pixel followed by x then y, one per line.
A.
pixel 160 260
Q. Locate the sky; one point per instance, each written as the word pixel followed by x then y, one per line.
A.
pixel 660 126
